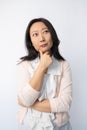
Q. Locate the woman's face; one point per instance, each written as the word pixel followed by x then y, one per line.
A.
pixel 40 37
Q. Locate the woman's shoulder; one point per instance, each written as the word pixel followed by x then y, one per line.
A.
pixel 64 62
pixel 23 64
pixel 65 65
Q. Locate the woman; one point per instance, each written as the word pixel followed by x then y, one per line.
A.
pixel 44 103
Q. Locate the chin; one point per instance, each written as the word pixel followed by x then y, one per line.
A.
pixel 45 50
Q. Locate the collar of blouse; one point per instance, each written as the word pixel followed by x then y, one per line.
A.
pixel 54 68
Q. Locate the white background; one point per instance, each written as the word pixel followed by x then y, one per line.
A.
pixel 69 17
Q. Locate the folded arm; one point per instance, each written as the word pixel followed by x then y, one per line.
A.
pixel 29 87
pixel 63 101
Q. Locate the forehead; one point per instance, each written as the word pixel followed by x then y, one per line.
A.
pixel 37 26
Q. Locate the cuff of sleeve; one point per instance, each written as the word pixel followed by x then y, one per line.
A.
pixel 53 105
pixel 29 95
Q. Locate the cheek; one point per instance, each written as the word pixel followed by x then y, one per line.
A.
pixel 51 44
pixel 36 46
pixel 50 41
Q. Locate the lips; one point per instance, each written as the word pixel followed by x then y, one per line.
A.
pixel 43 45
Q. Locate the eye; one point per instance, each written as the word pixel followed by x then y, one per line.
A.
pixel 46 31
pixel 35 34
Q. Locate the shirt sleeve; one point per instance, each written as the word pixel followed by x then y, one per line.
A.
pixel 28 95
pixel 62 103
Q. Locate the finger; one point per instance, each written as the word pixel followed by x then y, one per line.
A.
pixel 47 53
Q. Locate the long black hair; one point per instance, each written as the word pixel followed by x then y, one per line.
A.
pixel 32 53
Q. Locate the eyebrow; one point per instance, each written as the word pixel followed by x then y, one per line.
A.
pixel 41 29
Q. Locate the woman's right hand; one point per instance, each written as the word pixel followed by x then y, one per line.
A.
pixel 45 60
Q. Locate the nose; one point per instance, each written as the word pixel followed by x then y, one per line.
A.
pixel 41 37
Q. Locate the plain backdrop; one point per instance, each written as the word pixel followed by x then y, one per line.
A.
pixel 69 17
